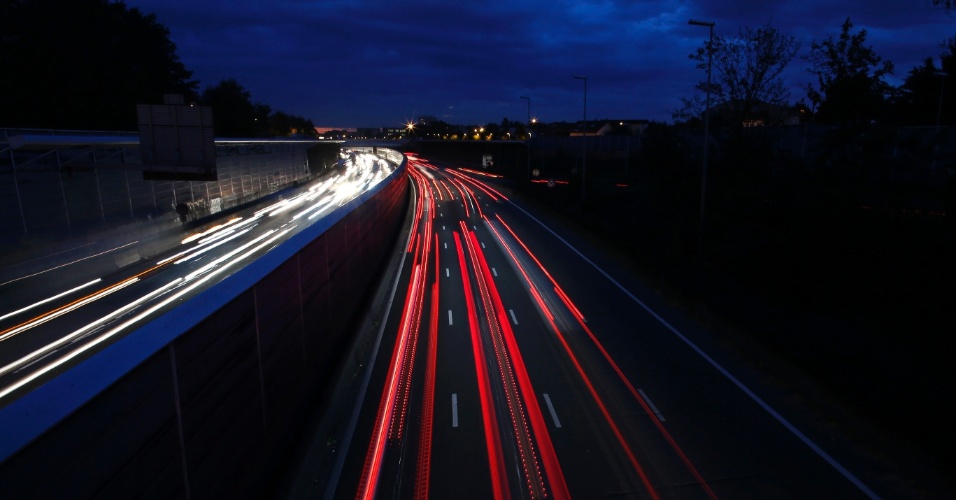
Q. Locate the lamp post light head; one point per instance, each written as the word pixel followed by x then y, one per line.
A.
pixel 694 22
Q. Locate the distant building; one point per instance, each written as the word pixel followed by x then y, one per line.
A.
pixel 334 132
pixel 761 114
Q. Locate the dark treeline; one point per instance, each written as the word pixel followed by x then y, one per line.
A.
pixel 85 64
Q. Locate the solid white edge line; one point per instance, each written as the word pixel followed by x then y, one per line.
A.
pixel 454 409
pixel 557 423
pixel 740 385
pixel 651 404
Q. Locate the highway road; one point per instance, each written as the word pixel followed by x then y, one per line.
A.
pixel 515 366
pixel 54 317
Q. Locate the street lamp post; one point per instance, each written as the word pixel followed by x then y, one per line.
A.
pixel 584 150
pixel 526 98
pixel 703 173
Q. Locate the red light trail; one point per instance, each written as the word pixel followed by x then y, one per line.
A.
pixel 504 386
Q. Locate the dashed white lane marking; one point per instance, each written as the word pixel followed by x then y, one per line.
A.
pixel 557 423
pixel 454 409
pixel 513 318
pixel 449 317
pixel 651 404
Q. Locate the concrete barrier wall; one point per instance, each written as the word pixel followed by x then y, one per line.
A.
pixel 207 401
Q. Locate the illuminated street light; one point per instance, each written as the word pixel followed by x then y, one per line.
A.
pixel 703 173
pixel 584 139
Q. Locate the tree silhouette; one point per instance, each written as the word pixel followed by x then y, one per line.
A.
pixel 84 64
pixel 850 85
pixel 233 113
pixel 747 73
pixel 928 95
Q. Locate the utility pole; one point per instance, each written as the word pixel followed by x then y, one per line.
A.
pixel 703 172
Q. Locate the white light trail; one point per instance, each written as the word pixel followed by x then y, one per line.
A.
pixel 56 313
pixel 44 301
pixel 226 257
pixel 211 230
pixel 43 351
pixel 105 336
pixel 196 252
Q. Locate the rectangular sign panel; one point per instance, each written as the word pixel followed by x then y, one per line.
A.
pixel 176 142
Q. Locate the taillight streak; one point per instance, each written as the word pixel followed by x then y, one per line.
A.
pixel 444 184
pixel 513 362
pixel 464 198
pixel 386 407
pixel 428 402
pixel 496 461
pixel 394 403
pixel 418 185
pixel 438 189
pixel 620 373
pixel 470 197
pixel 494 194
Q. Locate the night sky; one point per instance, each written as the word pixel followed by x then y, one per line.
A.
pixel 370 63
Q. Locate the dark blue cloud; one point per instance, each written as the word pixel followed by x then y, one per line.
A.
pixel 379 63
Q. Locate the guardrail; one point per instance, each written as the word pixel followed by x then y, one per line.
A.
pixel 206 400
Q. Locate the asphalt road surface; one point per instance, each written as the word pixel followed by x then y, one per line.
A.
pixel 513 366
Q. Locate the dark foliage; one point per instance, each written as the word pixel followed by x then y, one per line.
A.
pixel 850 85
pixel 234 113
pixel 928 96
pixel 83 64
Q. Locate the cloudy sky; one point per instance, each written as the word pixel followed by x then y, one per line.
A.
pixel 359 63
